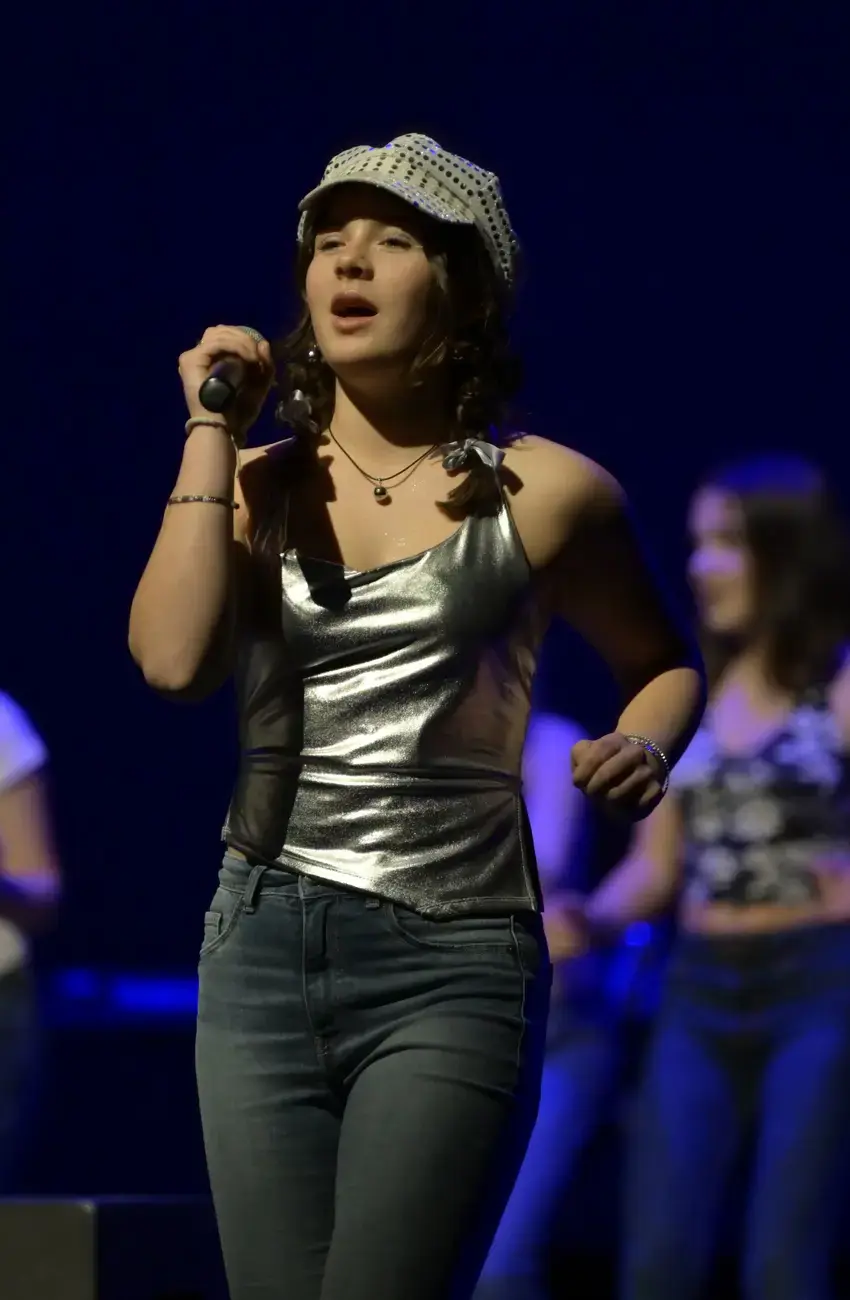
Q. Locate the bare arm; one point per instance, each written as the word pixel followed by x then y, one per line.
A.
pixel 646 881
pixel 183 614
pixel 556 809
pixel 579 534
pixel 29 866
pixel 607 590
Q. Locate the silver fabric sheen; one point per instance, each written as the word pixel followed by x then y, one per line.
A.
pixel 383 731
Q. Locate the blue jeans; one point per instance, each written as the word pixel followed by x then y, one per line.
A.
pixel 368 1081
pixel 586 1060
pixel 753 1040
pixel 579 1078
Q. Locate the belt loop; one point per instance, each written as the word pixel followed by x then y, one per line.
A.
pixel 249 898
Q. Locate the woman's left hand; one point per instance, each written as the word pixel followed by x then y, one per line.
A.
pixel 618 774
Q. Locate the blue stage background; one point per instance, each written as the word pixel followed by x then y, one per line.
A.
pixel 679 178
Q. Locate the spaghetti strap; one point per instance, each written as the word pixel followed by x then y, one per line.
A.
pixel 458 455
pixel 482 460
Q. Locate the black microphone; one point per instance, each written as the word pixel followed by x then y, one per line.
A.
pixel 221 387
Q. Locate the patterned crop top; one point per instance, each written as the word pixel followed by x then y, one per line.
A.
pixel 754 823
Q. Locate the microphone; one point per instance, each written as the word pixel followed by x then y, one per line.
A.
pixel 221 387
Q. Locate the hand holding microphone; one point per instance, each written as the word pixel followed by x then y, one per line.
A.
pixel 229 373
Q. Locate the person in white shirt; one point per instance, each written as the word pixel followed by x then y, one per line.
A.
pixel 29 892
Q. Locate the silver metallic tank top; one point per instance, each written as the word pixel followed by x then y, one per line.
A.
pixel 382 731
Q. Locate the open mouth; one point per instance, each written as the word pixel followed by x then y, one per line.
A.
pixel 352 306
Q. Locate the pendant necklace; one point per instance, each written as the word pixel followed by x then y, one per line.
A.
pixel 379 491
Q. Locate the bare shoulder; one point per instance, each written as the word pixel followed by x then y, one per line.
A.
pixel 558 475
pixel 552 488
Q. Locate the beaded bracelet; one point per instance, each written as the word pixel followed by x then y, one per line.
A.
pixel 212 501
pixel 198 421
pixel 657 752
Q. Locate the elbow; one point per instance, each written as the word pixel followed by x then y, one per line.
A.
pixel 166 666
pixel 182 688
pixel 175 677
pixel 163 673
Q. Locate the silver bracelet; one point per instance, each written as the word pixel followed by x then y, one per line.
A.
pixel 211 501
pixel 657 752
pixel 198 421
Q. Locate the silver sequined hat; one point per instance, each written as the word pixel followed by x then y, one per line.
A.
pixel 437 182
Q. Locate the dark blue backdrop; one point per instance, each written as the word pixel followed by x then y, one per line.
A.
pixel 681 188
pixel 682 196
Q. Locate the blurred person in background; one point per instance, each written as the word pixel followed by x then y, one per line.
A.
pixel 753 1036
pixel 580 1047
pixel 29 892
pixel 596 998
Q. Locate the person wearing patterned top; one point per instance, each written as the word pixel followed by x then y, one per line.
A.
pixel 752 1040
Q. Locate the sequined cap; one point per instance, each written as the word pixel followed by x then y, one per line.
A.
pixel 439 183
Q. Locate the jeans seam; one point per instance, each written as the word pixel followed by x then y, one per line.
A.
pixel 320 1046
pixel 522 1004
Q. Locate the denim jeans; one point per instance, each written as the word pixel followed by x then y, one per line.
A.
pixel 578 1084
pixel 368 1081
pixel 753 1040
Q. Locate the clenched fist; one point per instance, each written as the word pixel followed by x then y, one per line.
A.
pixel 229 340
pixel 618 774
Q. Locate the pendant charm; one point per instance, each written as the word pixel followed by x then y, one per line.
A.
pixel 380 491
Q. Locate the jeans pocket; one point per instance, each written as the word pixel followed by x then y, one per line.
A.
pixel 491 933
pixel 220 921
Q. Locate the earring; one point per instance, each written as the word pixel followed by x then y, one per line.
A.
pixel 294 410
pixel 314 356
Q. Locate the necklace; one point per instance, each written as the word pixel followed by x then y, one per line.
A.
pixel 379 491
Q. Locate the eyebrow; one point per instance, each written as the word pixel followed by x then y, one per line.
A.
pixel 329 221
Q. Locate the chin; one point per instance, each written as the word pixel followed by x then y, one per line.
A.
pixel 721 622
pixel 360 361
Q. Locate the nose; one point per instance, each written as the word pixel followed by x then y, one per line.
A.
pixel 353 263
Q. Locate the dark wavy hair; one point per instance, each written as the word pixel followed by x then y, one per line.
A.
pixel 468 338
pixel 798 540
